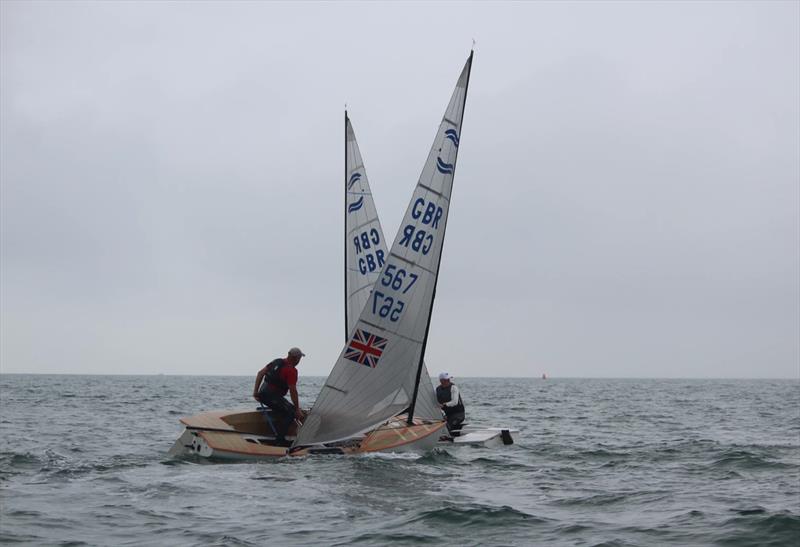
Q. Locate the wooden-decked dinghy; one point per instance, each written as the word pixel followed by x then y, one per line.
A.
pixel 247 435
pixel 378 395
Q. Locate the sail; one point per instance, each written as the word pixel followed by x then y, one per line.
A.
pixel 364 246
pixel 365 253
pixel 376 372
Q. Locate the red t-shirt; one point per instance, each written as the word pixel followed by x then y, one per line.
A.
pixel 288 374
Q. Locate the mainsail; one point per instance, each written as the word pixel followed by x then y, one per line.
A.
pixel 365 253
pixel 376 373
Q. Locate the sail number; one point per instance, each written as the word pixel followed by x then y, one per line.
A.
pixel 398 278
pixel 386 306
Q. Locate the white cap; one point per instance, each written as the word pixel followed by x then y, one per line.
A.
pixel 295 352
pixel 444 376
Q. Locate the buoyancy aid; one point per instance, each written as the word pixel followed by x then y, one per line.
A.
pixel 443 395
pixel 272 378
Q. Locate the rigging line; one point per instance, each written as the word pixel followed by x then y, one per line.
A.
pixel 344 237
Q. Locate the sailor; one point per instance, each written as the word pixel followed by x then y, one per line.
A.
pixel 273 382
pixel 450 400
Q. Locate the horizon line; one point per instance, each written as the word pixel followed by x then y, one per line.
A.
pixel 432 377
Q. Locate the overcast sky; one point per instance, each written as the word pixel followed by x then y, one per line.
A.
pixel 626 201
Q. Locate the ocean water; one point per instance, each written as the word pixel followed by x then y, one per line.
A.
pixel 597 462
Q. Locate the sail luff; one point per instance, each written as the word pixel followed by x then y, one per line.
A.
pixel 344 224
pixel 413 405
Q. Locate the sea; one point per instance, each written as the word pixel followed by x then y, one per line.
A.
pixel 616 462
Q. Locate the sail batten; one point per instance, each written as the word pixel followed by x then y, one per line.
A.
pixel 432 191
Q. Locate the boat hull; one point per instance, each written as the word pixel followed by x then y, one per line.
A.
pixel 246 435
pixel 490 437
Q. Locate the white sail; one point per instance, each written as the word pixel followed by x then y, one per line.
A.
pixel 365 253
pixel 376 372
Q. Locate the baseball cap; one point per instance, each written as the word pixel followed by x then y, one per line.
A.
pixel 444 376
pixel 295 352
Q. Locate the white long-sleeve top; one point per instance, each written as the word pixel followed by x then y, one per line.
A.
pixel 453 396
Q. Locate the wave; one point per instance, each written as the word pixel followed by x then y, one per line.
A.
pixel 392 538
pixel 755 526
pixel 745 459
pixel 594 500
pixel 474 515
pixel 17 463
pixel 8 538
pixel 10 460
pixel 502 463
pixel 610 498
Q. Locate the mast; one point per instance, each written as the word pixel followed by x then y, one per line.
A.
pixel 344 237
pixel 438 264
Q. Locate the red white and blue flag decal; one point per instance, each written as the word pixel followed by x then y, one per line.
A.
pixel 365 348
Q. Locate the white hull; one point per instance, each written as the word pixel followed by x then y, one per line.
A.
pixel 487 437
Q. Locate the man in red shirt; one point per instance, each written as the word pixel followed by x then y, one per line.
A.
pixel 273 382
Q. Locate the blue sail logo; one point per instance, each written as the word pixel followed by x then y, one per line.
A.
pixel 354 178
pixel 446 168
pixel 356 205
pixel 452 135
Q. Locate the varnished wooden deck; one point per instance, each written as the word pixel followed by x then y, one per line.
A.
pixel 238 421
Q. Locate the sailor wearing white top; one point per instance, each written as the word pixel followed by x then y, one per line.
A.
pixel 450 400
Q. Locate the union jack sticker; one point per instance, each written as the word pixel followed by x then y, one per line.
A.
pixel 365 348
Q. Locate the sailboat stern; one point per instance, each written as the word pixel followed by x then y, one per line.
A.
pixel 398 436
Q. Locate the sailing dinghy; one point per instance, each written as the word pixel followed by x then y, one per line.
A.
pixel 371 399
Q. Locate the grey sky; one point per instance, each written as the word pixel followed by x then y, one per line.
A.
pixel 627 200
